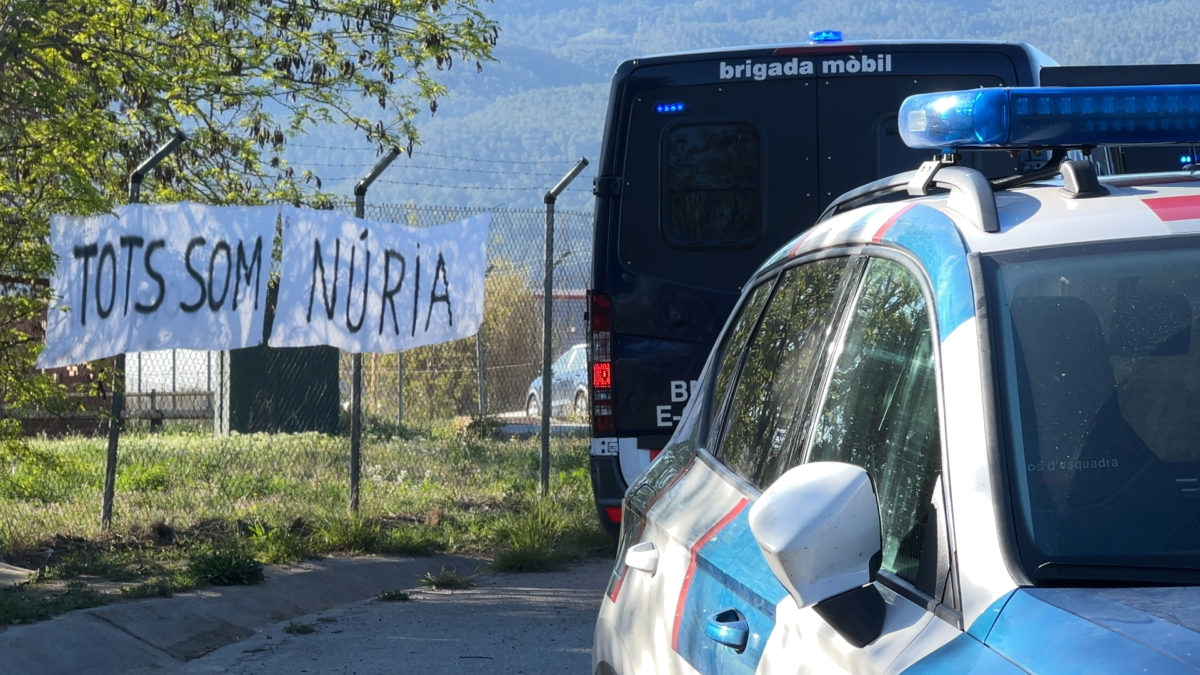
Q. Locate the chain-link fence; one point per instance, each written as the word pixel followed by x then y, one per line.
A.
pixel 491 373
pixel 275 394
pixel 264 389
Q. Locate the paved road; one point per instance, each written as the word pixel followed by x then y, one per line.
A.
pixel 535 624
pixel 508 623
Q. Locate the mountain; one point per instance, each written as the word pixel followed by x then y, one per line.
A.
pixel 504 136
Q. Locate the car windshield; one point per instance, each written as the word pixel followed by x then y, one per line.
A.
pixel 1099 371
pixel 568 360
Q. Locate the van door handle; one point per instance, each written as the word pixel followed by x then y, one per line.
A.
pixel 728 628
pixel 643 557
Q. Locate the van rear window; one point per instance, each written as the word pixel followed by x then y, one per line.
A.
pixel 711 184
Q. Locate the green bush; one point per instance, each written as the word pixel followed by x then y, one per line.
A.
pixel 29 473
pixel 226 568
pixel 144 478
pixel 531 540
pixel 273 546
pixel 352 534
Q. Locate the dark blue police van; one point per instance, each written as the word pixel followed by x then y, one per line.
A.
pixel 712 159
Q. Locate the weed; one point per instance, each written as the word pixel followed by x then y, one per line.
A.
pixel 17 607
pixel 393 596
pixel 530 541
pixel 486 428
pixel 36 474
pixel 294 628
pixel 446 580
pixel 353 534
pixel 155 588
pixel 386 429
pixel 273 546
pixel 144 478
pixel 410 540
pixel 226 568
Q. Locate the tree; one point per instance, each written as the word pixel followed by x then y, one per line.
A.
pixel 90 88
pixel 443 380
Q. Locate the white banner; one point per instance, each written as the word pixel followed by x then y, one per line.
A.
pixel 158 276
pixel 370 286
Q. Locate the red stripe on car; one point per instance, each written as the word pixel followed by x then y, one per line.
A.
pixel 691 571
pixel 1175 208
pixel 879 234
pixel 797 246
pixel 612 597
pixel 642 527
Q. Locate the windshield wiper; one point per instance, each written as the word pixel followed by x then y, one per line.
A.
pixel 1097 574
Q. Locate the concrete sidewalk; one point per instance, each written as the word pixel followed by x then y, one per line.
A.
pixel 524 624
pixel 160 635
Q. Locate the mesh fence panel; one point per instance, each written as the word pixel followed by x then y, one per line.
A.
pixel 261 434
pixel 252 412
pixel 491 373
pixel 309 389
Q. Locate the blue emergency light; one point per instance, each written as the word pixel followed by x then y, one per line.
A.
pixel 671 108
pixel 822 36
pixel 1039 117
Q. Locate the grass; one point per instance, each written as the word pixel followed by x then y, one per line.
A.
pixel 18 606
pixel 226 568
pixel 530 540
pixel 193 510
pixel 293 628
pixel 446 580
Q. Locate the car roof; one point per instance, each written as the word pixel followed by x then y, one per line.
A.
pixel 1037 215
pixel 1151 205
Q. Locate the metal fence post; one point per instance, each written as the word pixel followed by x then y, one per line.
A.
pixel 360 194
pixel 547 325
pixel 118 389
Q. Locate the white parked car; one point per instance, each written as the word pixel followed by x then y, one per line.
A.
pixel 568 382
pixel 955 431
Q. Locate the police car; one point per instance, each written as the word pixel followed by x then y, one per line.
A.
pixel 951 428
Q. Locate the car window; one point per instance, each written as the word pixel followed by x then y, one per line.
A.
pixel 880 410
pixel 566 361
pixel 560 364
pixel 712 191
pixel 1098 355
pixel 741 326
pixel 777 371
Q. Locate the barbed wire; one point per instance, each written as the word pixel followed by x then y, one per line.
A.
pixel 532 188
pixel 502 188
pixel 366 168
pixel 360 169
pixel 313 146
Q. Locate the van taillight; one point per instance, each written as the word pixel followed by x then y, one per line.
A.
pixel 600 358
pixel 613 513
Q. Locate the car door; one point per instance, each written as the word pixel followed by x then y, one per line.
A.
pixel 879 409
pixel 726 609
pixel 670 512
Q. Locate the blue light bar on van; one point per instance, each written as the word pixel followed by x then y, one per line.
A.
pixel 672 108
pixel 1038 117
pixel 825 36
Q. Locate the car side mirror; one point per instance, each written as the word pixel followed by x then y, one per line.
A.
pixel 818 528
